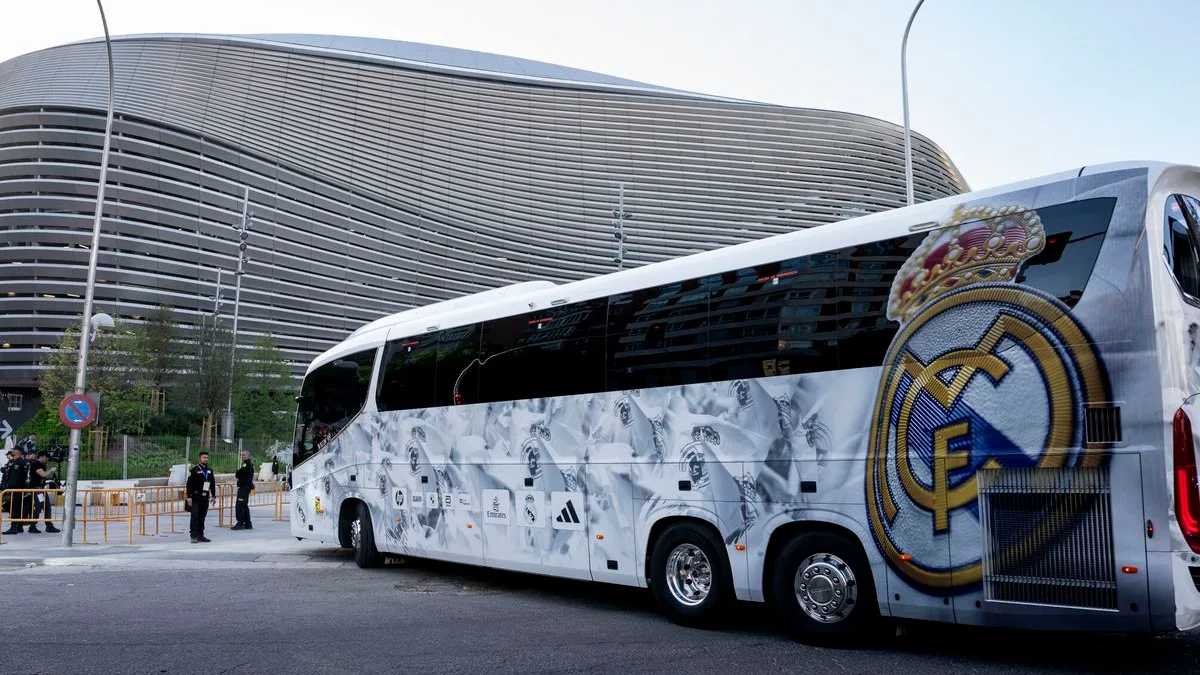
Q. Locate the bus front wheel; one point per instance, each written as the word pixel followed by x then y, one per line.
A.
pixel 689 575
pixel 362 539
pixel 822 588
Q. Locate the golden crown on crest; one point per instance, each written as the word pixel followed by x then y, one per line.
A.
pixel 978 244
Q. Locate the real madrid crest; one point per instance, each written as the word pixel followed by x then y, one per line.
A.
pixel 984 373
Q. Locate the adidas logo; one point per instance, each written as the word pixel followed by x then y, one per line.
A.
pixel 568 515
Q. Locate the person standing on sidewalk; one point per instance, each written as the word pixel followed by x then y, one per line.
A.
pixel 41 500
pixel 245 483
pixel 201 484
pixel 16 477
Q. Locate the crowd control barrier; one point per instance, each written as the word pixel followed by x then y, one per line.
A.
pixel 144 511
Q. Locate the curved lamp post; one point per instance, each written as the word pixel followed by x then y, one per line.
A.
pixel 908 163
pixel 85 332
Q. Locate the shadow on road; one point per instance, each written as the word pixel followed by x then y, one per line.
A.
pixel 968 646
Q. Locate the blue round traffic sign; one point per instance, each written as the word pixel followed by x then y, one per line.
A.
pixel 77 411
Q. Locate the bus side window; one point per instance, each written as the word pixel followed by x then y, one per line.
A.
pixel 658 336
pixel 407 379
pixel 558 351
pixel 774 319
pixel 1074 234
pixel 864 331
pixel 1180 243
pixel 457 373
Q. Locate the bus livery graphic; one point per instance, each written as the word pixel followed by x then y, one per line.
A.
pixel 890 416
pixel 971 338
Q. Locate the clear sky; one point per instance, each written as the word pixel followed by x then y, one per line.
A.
pixel 1011 89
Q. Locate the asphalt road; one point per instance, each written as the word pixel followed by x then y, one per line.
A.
pixel 331 617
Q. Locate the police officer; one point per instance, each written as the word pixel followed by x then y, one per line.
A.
pixel 41 500
pixel 201 485
pixel 16 477
pixel 245 483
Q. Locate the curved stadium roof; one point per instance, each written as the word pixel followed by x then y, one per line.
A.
pixel 425 57
pixel 384 176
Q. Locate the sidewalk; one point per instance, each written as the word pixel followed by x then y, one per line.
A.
pixel 270 541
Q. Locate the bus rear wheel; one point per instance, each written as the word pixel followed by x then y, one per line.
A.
pixel 689 575
pixel 822 588
pixel 362 539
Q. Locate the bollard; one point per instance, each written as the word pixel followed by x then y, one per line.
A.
pixel 187 450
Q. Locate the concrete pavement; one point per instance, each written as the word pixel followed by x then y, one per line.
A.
pixel 269 542
pixel 441 619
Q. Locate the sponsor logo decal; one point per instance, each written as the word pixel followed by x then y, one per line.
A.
pixel 567 509
pixel 531 506
pixel 499 507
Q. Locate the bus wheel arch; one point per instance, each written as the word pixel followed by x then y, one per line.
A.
pixel 834 560
pixel 347 513
pixel 355 528
pixel 688 570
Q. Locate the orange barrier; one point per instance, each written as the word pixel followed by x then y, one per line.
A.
pixel 158 502
pixel 264 494
pixel 98 506
pixel 152 507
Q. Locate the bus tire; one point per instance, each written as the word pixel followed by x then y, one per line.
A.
pixel 689 575
pixel 821 587
pixel 362 539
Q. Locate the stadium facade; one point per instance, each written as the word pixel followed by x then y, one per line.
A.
pixel 384 175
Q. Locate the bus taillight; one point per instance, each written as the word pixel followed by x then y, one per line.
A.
pixel 1187 491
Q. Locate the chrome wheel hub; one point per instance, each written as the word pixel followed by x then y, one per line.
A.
pixel 356 533
pixel 689 575
pixel 826 588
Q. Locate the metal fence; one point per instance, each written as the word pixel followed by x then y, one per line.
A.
pixel 109 457
pixel 135 511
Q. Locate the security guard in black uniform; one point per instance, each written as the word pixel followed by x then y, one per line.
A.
pixel 201 485
pixel 245 483
pixel 16 477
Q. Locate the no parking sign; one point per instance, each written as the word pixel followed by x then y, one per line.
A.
pixel 77 411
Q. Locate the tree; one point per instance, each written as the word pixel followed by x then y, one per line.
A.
pixel 265 395
pixel 123 400
pixel 156 348
pixel 206 369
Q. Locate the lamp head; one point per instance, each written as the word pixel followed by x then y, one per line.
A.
pixel 102 321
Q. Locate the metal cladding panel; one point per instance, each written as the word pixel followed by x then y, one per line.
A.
pixel 380 184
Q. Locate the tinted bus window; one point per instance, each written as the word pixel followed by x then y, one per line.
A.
pixel 864 331
pixel 330 397
pixel 407 378
pixel 1074 233
pixel 553 352
pixel 1179 243
pixel 774 319
pixel 457 375
pixel 658 337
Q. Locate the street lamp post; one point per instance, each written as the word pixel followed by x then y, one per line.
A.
pixel 619 218
pixel 243 232
pixel 908 163
pixel 68 531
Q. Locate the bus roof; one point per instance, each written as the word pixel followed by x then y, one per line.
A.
pixel 533 295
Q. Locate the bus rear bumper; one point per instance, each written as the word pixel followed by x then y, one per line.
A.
pixel 1185 577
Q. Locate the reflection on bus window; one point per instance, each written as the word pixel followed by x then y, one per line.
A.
pixel 331 396
pixel 1180 243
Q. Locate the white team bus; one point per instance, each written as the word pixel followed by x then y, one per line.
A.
pixel 973 410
